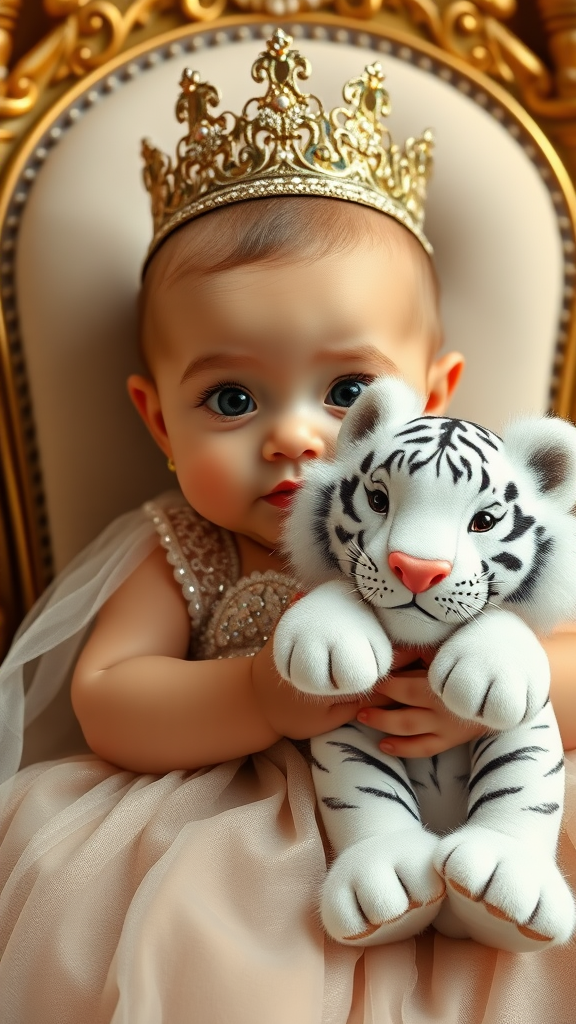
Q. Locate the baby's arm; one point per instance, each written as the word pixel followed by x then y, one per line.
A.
pixel 141 705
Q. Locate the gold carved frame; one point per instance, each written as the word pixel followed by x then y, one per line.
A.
pixel 90 37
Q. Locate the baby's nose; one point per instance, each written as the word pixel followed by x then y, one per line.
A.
pixel 418 574
pixel 293 438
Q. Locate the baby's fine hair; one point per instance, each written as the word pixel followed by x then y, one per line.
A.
pixel 284 230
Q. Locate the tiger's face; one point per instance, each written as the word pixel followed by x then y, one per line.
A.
pixel 441 528
pixel 435 519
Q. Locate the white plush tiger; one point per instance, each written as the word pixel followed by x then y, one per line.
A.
pixel 432 530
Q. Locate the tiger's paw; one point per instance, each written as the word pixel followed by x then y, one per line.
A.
pixel 505 892
pixel 329 642
pixel 492 670
pixel 382 889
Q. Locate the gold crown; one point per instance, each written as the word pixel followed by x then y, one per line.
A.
pixel 289 146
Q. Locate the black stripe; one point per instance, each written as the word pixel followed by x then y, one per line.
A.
pixel 508 560
pixel 362 758
pixel 482 708
pixel 485 481
pixel 467 466
pixel 415 466
pixel 525 590
pixel 491 740
pixel 367 462
pixel 488 740
pixel 418 425
pixel 496 794
pixel 387 795
pixel 338 805
pixel 387 465
pixel 316 764
pixel 475 447
pixel 520 754
pixel 484 435
pixel 521 524
pixel 511 492
pixel 320 530
pixel 557 768
pixel 543 808
pixel 456 473
pixel 343 536
pixel 347 491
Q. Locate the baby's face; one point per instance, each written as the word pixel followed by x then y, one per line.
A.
pixel 255 367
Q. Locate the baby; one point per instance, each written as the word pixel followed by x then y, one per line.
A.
pixel 261 324
pixel 173 876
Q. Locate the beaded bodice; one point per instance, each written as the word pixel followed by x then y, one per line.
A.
pixel 229 616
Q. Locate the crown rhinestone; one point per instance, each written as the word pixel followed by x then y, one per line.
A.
pixel 285 143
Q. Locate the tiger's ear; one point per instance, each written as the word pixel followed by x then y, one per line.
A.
pixel 387 400
pixel 546 448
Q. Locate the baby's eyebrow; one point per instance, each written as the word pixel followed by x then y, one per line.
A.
pixel 230 361
pixel 218 361
pixel 359 354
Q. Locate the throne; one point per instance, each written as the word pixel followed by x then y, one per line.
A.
pixel 75 223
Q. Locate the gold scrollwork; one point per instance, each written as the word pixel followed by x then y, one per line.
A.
pixel 474 32
pixel 67 49
pixel 91 32
pixel 196 10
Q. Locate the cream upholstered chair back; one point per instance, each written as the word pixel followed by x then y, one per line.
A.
pixel 76 224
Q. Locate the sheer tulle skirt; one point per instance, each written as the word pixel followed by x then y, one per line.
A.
pixel 131 899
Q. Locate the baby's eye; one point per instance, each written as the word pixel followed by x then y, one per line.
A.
pixel 231 401
pixel 345 392
pixel 482 522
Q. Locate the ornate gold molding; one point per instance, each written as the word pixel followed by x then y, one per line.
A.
pixel 9 10
pixel 475 33
pixel 559 17
pixel 91 32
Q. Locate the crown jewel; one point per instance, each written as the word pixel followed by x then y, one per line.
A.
pixel 285 143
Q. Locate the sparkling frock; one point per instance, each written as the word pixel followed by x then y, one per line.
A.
pixel 191 898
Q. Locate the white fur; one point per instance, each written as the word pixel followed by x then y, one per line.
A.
pixel 345 652
pixel 495 659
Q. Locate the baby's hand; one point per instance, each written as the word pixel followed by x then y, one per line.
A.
pixel 418 723
pixel 294 714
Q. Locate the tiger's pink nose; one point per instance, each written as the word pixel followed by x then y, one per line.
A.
pixel 418 574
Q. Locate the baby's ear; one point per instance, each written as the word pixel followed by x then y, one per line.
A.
pixel 546 448
pixel 387 400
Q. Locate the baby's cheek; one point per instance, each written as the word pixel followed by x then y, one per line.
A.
pixel 212 482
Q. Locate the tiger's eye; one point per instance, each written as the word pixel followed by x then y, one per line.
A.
pixel 378 501
pixel 482 522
